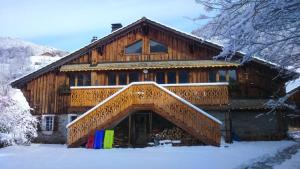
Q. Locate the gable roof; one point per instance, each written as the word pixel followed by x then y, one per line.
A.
pixel 106 39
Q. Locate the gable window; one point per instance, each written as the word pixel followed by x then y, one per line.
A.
pixel 157 47
pixel 171 77
pixel 122 78
pixel 183 76
pixel 160 77
pixel 111 77
pixel 135 48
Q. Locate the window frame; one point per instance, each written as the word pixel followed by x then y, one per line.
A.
pixel 70 117
pixel 159 52
pixel 44 128
pixel 135 42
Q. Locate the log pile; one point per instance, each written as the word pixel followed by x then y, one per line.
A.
pixel 176 133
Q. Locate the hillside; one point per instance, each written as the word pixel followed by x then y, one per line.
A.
pixel 19 57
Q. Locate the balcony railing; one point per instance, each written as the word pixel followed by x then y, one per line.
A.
pixel 152 96
pixel 204 94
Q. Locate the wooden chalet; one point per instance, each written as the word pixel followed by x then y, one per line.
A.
pixel 148 80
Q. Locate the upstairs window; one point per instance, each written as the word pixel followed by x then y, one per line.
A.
pixel 157 47
pixel 222 76
pixel 212 76
pixel 232 75
pixel 80 79
pixel 122 79
pixel 171 77
pixel 133 77
pixel 111 78
pixel 160 77
pixel 72 80
pixel 84 80
pixel 183 76
pixel 135 48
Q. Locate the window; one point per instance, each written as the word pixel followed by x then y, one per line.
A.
pixel 80 80
pixel 133 77
pixel 232 75
pixel 122 79
pixel 47 124
pixel 222 76
pixel 72 117
pixel 171 77
pixel 135 48
pixel 83 79
pixel 111 77
pixel 160 77
pixel 157 47
pixel 212 76
pixel 72 80
pixel 183 76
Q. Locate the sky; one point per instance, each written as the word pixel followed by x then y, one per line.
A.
pixel 70 24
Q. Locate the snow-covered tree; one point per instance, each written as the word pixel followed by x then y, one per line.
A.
pixel 268 29
pixel 17 125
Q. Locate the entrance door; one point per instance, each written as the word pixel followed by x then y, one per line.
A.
pixel 139 129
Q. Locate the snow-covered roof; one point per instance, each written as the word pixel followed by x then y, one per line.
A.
pixel 292 85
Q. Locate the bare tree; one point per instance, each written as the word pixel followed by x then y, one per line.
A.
pixel 269 29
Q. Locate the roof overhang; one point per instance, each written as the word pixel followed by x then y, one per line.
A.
pixel 147 65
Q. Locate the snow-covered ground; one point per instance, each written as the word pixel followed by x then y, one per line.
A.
pixel 237 155
pixel 294 162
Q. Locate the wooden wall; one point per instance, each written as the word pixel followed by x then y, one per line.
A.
pixel 179 48
pixel 48 93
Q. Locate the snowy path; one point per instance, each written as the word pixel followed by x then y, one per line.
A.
pixel 282 156
pixel 43 156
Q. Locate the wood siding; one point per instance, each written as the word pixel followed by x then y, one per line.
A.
pixel 49 92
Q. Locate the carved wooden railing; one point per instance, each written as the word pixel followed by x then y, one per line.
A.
pixel 198 94
pixel 162 101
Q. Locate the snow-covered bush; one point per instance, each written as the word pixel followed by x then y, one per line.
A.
pixel 17 125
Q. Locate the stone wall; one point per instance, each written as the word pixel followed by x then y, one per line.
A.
pixel 255 125
pixel 58 136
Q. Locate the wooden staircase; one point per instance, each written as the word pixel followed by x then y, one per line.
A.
pixel 148 95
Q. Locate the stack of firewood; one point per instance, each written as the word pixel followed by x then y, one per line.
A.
pixel 176 133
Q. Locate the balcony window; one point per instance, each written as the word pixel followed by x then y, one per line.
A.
pixel 80 79
pixel 122 79
pixel 160 77
pixel 84 79
pixel 135 48
pixel 232 75
pixel 157 47
pixel 133 77
pixel 212 76
pixel 171 77
pixel 72 80
pixel 111 77
pixel 183 76
pixel 222 75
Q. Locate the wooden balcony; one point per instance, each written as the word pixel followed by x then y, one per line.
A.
pixel 115 106
pixel 203 94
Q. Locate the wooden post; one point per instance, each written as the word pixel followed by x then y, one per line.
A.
pixel 228 127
